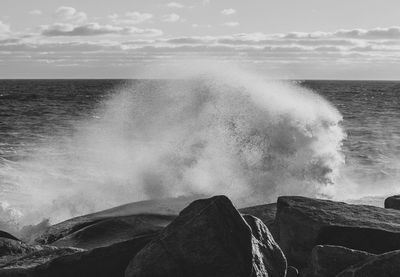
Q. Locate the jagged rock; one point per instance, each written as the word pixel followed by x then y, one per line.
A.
pixel 70 262
pixel 393 202
pixel 305 222
pixel 266 213
pixel 210 238
pixel 114 225
pixel 329 260
pixel 384 265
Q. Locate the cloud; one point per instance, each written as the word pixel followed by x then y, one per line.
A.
pixel 70 14
pixel 175 5
pixel 4 28
pixel 130 18
pixel 228 11
pixel 231 24
pixel 35 12
pixel 95 29
pixel 206 2
pixel 173 17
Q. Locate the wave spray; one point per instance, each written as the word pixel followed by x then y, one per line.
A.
pixel 208 133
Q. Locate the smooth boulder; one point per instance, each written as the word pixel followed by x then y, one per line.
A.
pixel 384 265
pixel 210 238
pixel 393 202
pixel 329 260
pixel 305 222
pixel 113 225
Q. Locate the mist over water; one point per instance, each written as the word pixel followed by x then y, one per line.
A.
pixel 209 133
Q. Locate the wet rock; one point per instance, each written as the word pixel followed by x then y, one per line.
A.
pixel 266 213
pixel 329 260
pixel 114 225
pixel 210 238
pixel 304 223
pixel 384 265
pixel 393 202
pixel 7 235
pixel 67 262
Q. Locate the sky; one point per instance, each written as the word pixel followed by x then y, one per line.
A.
pixel 308 39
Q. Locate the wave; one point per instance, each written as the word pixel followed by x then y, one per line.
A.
pixel 214 132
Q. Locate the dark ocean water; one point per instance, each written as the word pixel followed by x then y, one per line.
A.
pixel 39 117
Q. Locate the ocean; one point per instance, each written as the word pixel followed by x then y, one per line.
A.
pixel 69 147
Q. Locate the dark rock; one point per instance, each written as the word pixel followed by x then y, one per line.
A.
pixel 329 260
pixel 393 202
pixel 304 222
pixel 67 262
pixel 266 213
pixel 114 225
pixel 292 272
pixel 110 231
pixel 384 265
pixel 210 238
pixel 7 235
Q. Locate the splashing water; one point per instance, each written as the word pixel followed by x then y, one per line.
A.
pixel 233 133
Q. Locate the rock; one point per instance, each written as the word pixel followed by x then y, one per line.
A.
pixel 384 265
pixel 110 231
pixel 304 222
pixel 266 213
pixel 210 238
pixel 329 260
pixel 292 272
pixel 100 262
pixel 393 202
pixel 7 235
pixel 114 225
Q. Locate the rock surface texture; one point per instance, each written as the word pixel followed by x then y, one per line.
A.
pixel 329 260
pixel 304 223
pixel 393 202
pixel 210 238
pixel 385 265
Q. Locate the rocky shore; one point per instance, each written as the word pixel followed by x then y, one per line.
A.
pixel 297 236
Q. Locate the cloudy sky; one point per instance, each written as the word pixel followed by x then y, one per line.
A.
pixel 315 39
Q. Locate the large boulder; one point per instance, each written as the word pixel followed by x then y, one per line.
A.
pixel 210 238
pixel 329 260
pixel 385 265
pixel 304 223
pixel 67 262
pixel 393 202
pixel 267 215
pixel 113 225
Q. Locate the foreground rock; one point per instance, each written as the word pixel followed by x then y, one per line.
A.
pixel 114 225
pixel 393 202
pixel 304 223
pixel 67 262
pixel 211 238
pixel 267 215
pixel 329 260
pixel 385 265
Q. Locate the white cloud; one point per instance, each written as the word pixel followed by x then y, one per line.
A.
pixel 173 17
pixel 175 5
pixel 4 28
pixel 70 14
pixel 206 2
pixel 228 11
pixel 35 12
pixel 130 18
pixel 231 24
pixel 95 29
